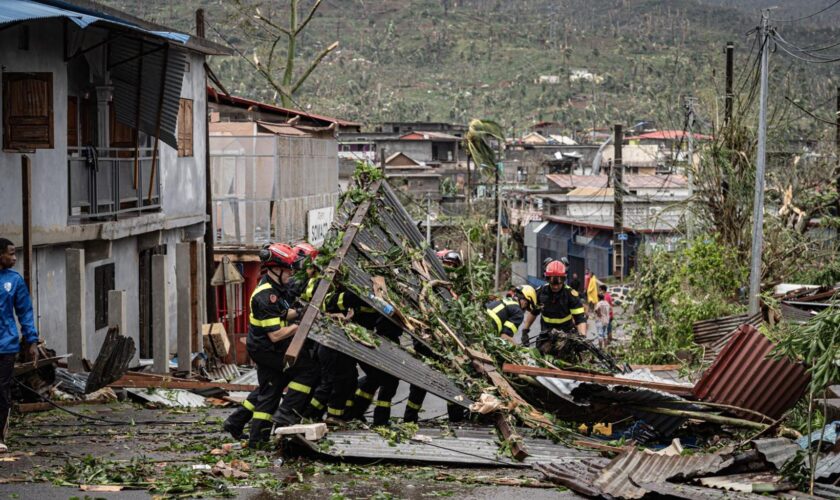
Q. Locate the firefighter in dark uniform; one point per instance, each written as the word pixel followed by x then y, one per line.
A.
pixel 507 314
pixel 375 381
pixel 269 333
pixel 559 308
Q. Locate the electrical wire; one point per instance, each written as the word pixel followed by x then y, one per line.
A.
pixel 103 421
pixel 836 2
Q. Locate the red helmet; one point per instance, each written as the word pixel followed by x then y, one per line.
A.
pixel 555 268
pixel 450 258
pixel 304 251
pixel 278 255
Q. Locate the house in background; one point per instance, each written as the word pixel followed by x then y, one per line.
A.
pixel 412 178
pixel 274 177
pixel 106 113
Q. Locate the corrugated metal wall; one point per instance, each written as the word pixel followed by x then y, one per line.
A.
pixel 307 179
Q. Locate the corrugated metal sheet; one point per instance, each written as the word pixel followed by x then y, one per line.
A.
pixel 827 490
pixel 714 334
pixel 249 378
pixel 390 358
pixel 226 372
pixel 777 451
pixel 687 491
pixel 751 482
pixel 828 465
pixel 743 376
pixel 827 434
pixel 621 476
pixel 146 75
pixel 461 446
pixel 577 475
pixel 173 398
pixel 795 314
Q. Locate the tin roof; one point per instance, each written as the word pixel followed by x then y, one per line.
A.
pixel 222 98
pixel 714 334
pixel 777 451
pixel 631 181
pixel 690 492
pixel 621 477
pixel 743 376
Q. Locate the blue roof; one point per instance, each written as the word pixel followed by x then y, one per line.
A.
pixel 12 11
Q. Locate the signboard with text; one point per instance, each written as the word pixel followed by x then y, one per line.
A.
pixel 317 224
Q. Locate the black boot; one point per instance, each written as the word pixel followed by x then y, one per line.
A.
pixel 236 421
pixel 260 434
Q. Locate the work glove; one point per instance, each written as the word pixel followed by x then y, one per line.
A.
pixel 525 338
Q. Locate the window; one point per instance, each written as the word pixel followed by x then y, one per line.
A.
pixel 27 111
pixel 185 127
pixel 103 282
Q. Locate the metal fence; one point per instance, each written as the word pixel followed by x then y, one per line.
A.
pixel 109 183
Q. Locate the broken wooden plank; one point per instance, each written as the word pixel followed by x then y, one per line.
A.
pixel 216 339
pixel 34 407
pixel 534 371
pixel 29 366
pixel 314 306
pixel 112 362
pixel 517 448
pixel 142 382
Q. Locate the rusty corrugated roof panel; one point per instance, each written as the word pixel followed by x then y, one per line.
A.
pixel 577 475
pixel 690 492
pixel 390 358
pixel 621 477
pixel 777 451
pixel 826 490
pixel 750 482
pixel 711 330
pixel 743 376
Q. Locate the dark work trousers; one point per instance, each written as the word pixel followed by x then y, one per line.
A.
pixel 266 397
pixel 375 378
pixel 416 396
pixel 7 368
pixel 338 381
pixel 302 377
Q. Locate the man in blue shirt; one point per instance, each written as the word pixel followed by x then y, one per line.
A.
pixel 14 301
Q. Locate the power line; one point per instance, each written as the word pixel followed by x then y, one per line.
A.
pixel 808 16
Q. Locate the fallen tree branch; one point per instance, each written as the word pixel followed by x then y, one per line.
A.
pixel 716 419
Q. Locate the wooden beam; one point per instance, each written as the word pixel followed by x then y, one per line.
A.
pixel 141 381
pixel 33 407
pixel 596 379
pixel 314 307
pixel 517 448
pixel 21 368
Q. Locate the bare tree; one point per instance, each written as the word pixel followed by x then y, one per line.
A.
pixel 280 75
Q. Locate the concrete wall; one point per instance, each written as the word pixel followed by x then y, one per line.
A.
pixel 182 179
pixel 417 150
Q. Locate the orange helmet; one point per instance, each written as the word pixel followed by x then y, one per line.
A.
pixel 278 255
pixel 555 268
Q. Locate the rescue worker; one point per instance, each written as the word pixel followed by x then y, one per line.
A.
pixel 375 381
pixel 558 306
pixel 507 314
pixel 269 333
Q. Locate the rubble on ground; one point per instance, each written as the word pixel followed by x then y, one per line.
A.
pixel 585 420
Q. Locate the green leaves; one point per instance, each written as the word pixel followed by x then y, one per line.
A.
pixel 817 344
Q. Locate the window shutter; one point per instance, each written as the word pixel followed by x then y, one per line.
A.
pixel 27 111
pixel 185 127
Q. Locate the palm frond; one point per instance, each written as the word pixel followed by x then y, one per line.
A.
pixel 478 141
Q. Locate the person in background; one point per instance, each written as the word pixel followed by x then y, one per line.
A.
pixel 592 291
pixel 602 320
pixel 609 299
pixel 14 301
pixel 574 282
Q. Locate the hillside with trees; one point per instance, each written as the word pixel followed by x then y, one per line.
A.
pixel 584 63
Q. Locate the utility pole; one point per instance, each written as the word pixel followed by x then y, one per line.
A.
pixel 727 116
pixel 689 104
pixel 758 203
pixel 617 174
pixel 209 227
pixel 498 218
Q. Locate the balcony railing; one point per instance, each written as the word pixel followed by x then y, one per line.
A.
pixel 110 183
